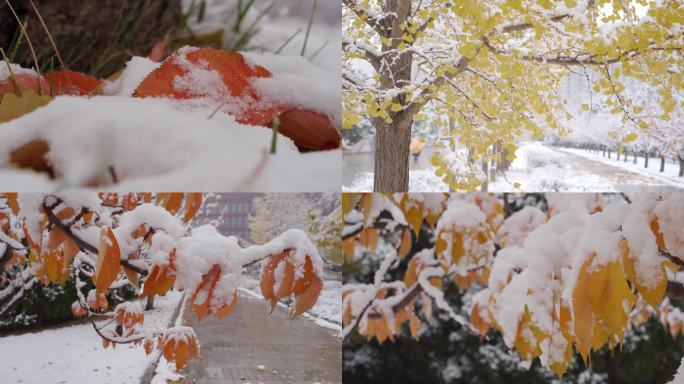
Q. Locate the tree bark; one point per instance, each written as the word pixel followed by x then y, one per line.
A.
pixel 392 157
pixel 485 170
pixel 645 159
pixel 662 164
pixel 681 166
pixel 393 139
pixel 150 303
pixel 618 155
pixel 635 157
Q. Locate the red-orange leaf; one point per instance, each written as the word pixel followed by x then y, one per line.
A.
pixel 72 83
pixel 310 131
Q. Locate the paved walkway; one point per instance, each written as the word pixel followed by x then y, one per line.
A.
pixel 251 346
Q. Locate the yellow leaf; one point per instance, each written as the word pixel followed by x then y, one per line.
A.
pixel 406 243
pixel 13 106
pixel 414 217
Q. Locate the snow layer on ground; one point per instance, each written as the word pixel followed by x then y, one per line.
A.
pixel 419 181
pixel 154 144
pixel 74 354
pixel 669 175
pixel 538 168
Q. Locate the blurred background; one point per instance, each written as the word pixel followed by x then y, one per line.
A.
pixel 99 37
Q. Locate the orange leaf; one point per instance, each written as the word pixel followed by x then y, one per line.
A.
pixel 307 288
pixel 108 259
pixel 267 280
pixel 13 202
pixel 201 299
pixel 171 201
pixel 193 202
pixel 227 308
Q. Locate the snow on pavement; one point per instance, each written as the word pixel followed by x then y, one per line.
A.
pixel 669 175
pixel 540 168
pixel 74 354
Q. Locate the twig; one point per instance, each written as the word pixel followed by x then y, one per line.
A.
pixel 82 244
pixel 112 173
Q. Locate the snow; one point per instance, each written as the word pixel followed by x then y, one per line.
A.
pixel 536 168
pixel 516 228
pixel 642 241
pixel 16 70
pixel 670 213
pixel 670 175
pixel 152 145
pixel 74 354
pixel 135 72
pixel 300 83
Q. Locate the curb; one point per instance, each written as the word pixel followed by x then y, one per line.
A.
pixel 149 371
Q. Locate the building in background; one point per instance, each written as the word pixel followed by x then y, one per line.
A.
pixel 229 213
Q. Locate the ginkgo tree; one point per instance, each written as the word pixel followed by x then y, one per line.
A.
pixel 146 242
pixel 573 278
pixel 487 72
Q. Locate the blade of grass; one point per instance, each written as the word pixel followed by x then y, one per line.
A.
pixel 17 41
pixel 9 68
pixel 28 40
pixel 308 27
pixel 49 35
pixel 251 31
pixel 202 10
pixel 288 41
pixel 274 140
pixel 322 47
pixel 52 76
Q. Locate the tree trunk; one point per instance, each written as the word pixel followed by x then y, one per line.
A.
pixel 150 303
pixel 646 160
pixel 609 153
pixel 393 139
pixel 625 157
pixel 392 158
pixel 662 164
pixel 635 157
pixel 618 155
pixel 681 166
pixel 485 170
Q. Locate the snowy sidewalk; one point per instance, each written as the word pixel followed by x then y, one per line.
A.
pixel 74 354
pixel 670 175
pixel 251 346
